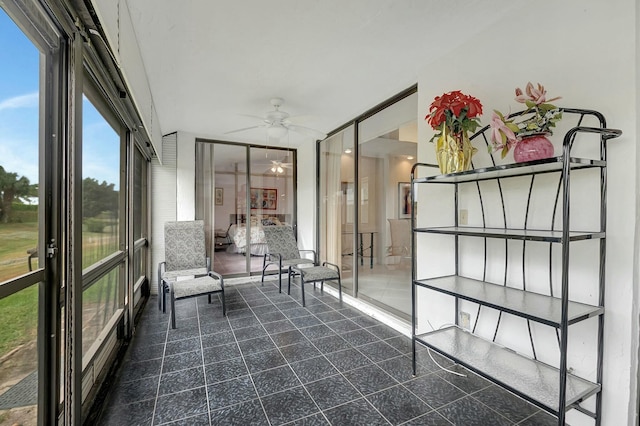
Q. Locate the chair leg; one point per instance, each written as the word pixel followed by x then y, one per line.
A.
pixel 224 305
pixel 340 287
pixel 209 296
pixel 164 295
pixel 321 286
pixel 264 266
pixel 173 310
pixel 289 281
pixel 302 288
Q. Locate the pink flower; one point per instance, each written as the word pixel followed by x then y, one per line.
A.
pixel 537 95
pixel 501 134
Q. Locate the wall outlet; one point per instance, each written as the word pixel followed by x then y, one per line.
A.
pixel 463 217
pixel 465 320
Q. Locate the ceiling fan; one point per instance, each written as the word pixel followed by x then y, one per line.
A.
pixel 276 166
pixel 278 124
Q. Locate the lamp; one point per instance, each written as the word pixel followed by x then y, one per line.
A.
pixel 276 131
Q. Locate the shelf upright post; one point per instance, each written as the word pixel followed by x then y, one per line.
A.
pixel 564 324
pixel 413 271
pixel 603 252
pixel 456 223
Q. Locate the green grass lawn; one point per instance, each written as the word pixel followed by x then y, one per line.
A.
pixel 18 319
pixel 19 312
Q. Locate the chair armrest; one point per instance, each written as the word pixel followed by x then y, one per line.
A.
pixel 332 265
pixel 276 257
pixel 214 274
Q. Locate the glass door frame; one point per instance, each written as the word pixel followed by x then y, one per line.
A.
pixel 357 193
pixel 247 212
pixel 48 38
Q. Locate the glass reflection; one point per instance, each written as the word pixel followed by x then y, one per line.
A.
pixel 100 186
pixel 99 303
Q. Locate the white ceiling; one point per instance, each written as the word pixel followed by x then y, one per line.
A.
pixel 209 61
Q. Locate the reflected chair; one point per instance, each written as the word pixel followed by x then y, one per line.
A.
pixel 400 238
pixel 282 250
pixel 185 271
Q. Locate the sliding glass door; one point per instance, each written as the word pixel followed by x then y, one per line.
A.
pixel 337 204
pixel 21 225
pixel 387 147
pixel 240 189
pixel 364 173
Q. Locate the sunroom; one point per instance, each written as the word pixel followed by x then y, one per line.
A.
pixel 120 116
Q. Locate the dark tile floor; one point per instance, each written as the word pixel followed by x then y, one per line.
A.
pixel 273 362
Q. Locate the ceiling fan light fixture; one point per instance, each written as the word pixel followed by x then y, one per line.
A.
pixel 276 131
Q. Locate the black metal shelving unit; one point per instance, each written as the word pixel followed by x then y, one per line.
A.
pixel 550 387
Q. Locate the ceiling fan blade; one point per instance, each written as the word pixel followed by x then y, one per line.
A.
pixel 245 128
pixel 257 117
pixel 307 131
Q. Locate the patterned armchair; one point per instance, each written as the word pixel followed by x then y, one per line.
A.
pixel 283 251
pixel 185 256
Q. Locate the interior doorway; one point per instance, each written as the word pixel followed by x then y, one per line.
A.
pixel 240 189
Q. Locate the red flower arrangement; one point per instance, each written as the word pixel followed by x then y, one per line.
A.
pixel 455 111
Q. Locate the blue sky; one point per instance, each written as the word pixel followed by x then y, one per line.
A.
pixel 19 74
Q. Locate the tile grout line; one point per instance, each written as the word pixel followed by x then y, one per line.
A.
pixel 340 373
pixel 322 354
pixel 164 350
pixel 287 361
pixel 204 372
pixel 300 329
pixel 235 339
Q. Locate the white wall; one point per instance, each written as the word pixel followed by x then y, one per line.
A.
pixel 584 51
pixel 186 176
pixel 163 202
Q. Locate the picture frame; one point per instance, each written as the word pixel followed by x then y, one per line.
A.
pixel 264 198
pixel 219 196
pixel 404 200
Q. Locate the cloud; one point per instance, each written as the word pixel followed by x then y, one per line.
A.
pixel 29 100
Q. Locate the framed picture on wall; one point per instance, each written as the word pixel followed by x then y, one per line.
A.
pixel 264 198
pixel 404 200
pixel 219 196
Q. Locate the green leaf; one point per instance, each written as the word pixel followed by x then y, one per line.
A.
pixel 505 151
pixel 513 127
